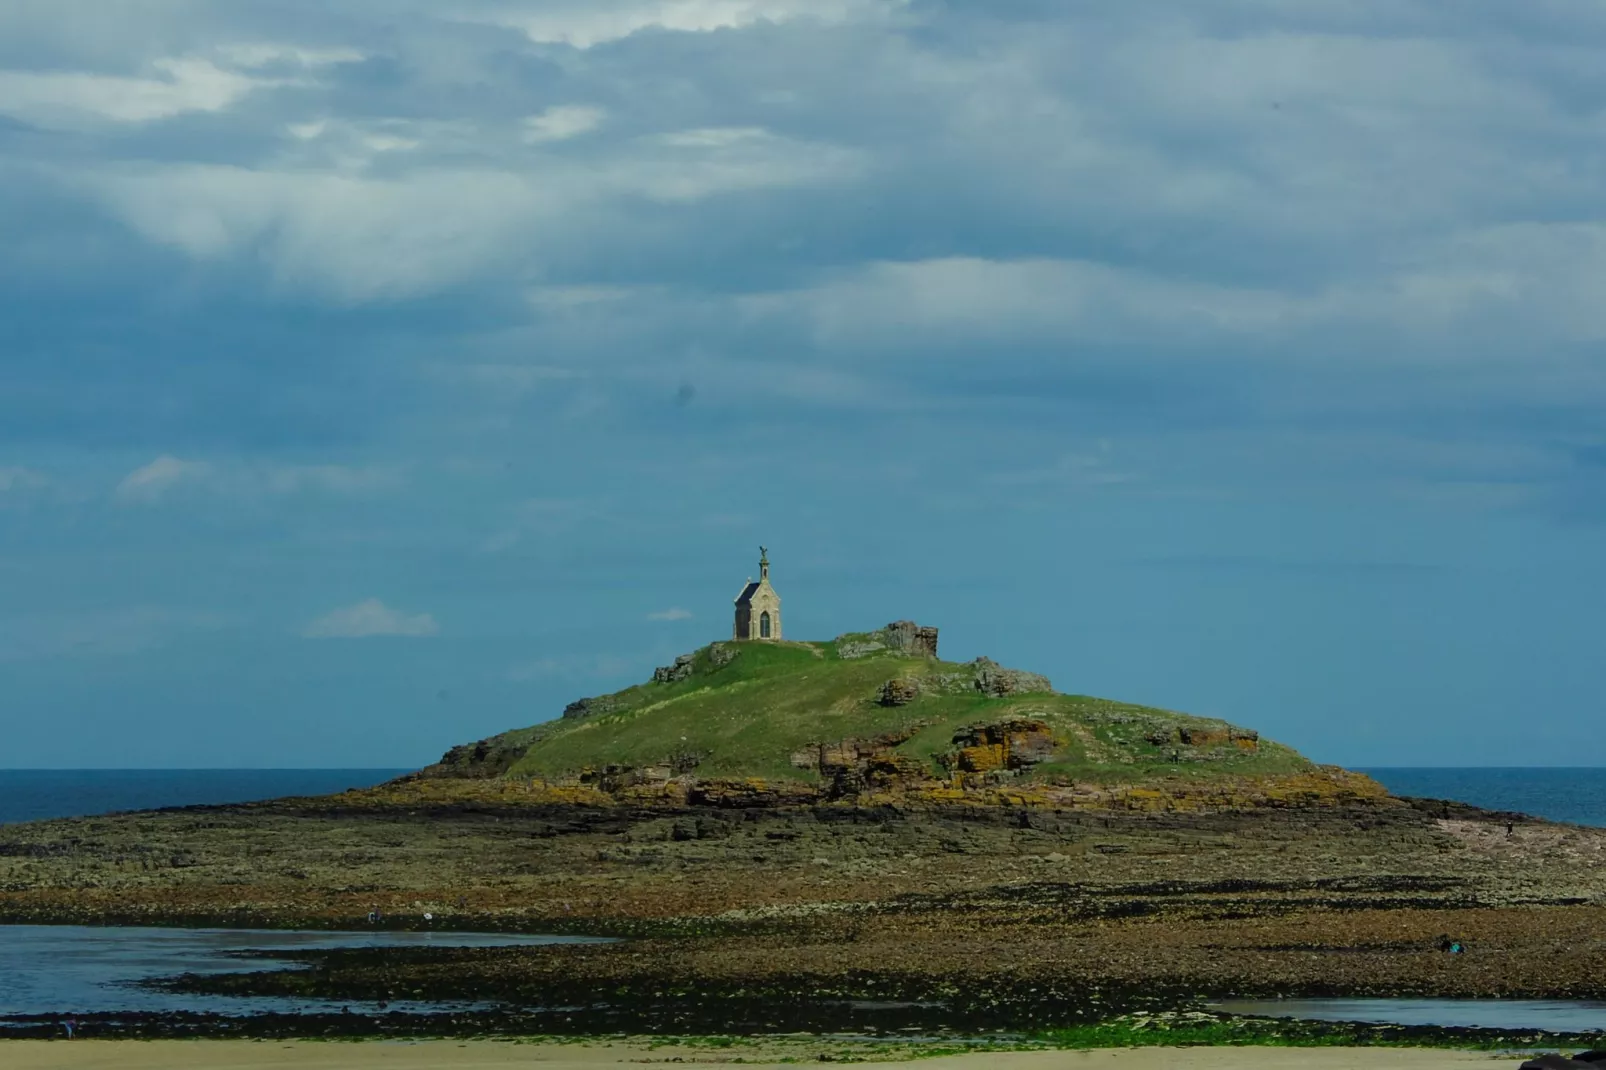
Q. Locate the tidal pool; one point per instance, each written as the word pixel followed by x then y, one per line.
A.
pixel 77 969
pixel 1557 1016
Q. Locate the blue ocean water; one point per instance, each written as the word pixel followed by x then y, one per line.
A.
pixel 1560 794
pixel 36 794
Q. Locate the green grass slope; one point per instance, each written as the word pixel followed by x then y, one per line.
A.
pixel 745 709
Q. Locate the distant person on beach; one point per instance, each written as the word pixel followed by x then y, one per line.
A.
pixel 69 1025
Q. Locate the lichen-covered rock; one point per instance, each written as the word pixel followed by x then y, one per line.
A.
pixel 1013 745
pixel 682 669
pixel 899 692
pixel 995 680
pixel 722 654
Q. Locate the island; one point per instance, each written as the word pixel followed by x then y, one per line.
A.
pixel 857 837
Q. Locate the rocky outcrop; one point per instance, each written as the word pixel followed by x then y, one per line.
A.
pixel 900 637
pixel 682 669
pixel 995 680
pixel 591 707
pixel 899 692
pixel 1211 737
pixel 1007 745
pixel 1206 737
pixel 907 637
pixel 852 766
pixel 472 761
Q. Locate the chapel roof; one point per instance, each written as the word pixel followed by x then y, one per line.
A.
pixel 748 591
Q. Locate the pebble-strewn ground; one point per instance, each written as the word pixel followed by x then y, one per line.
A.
pixel 955 907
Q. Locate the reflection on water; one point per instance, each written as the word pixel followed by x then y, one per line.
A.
pixel 1557 1016
pixel 72 969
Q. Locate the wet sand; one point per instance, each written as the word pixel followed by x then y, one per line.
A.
pixel 475 1055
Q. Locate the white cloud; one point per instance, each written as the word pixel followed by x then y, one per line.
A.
pixel 361 239
pixel 265 55
pixel 561 122
pixel 673 613
pixel 967 299
pixel 57 98
pixel 152 482
pixel 369 238
pixel 584 24
pixel 370 618
pixel 712 137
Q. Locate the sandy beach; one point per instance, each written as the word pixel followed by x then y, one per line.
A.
pixel 485 1055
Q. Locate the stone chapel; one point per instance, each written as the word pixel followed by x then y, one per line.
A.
pixel 758 607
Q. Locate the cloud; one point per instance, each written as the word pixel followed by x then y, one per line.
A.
pixel 263 54
pixel 361 237
pixel 561 122
pixel 68 98
pixel 673 613
pixel 370 618
pixel 585 25
pixel 15 479
pixel 152 482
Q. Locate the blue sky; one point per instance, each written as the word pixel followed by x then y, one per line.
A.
pixel 376 375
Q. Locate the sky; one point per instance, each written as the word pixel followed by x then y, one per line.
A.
pixel 378 375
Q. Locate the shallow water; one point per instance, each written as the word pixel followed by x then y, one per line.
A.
pixel 1558 1016
pixel 72 969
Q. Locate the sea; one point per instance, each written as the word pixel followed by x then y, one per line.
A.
pixel 1560 794
pixel 37 794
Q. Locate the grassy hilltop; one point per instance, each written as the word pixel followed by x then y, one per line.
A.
pixel 864 712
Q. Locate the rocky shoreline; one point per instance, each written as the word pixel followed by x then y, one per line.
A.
pixel 877 920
